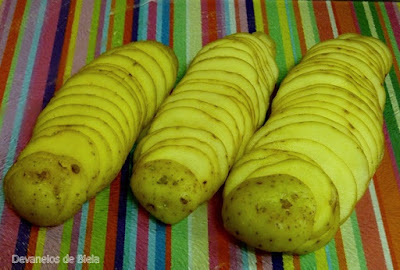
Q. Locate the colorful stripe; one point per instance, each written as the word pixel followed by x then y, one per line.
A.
pixel 42 43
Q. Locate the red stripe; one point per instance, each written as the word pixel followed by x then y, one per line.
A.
pixel 389 201
pixel 300 31
pixel 10 46
pixel 64 52
pixel 340 250
pixel 344 17
pixel 152 18
pixel 264 17
pixel 89 229
pixel 142 239
pixel 112 223
pixel 32 245
pixel 212 20
pixel 128 21
pixel 168 248
pixel 204 22
pixel 171 23
pixel 322 19
pixel 369 233
pixel 237 16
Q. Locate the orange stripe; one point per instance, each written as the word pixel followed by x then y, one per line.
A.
pixel 111 26
pixel 344 17
pixel 322 19
pixel 259 259
pixel 340 250
pixel 112 223
pixel 264 16
pixel 300 31
pixel 64 52
pixel 296 262
pixel 128 22
pixel 89 229
pixel 9 50
pixel 32 245
pixel 389 202
pixel 369 233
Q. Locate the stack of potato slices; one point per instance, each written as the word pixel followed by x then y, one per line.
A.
pixel 204 126
pixel 304 170
pixel 83 136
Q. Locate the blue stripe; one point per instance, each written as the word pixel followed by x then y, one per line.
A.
pixel 165 23
pixel 328 256
pixel 277 261
pixel 251 22
pixel 123 195
pixel 105 27
pixel 21 247
pixel 290 23
pixel 151 255
pixel 135 21
pixel 130 232
pixel 160 16
pixel 227 17
pixel 160 244
pixel 244 257
pixel 143 20
pixel 82 233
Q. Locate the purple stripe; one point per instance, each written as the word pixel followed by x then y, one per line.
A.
pixel 53 241
pixel 57 50
pixel 220 19
pixel 73 249
pixel 243 16
pixel 135 21
pixel 83 35
pixel 99 37
pixel 5 25
pixel 21 247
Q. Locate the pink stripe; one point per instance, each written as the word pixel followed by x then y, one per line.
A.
pixel 82 38
pixel 397 12
pixel 354 15
pixel 53 241
pixel 99 37
pixel 204 23
pixel 8 234
pixel 152 25
pixel 221 19
pixel 212 233
pixel 235 256
pixel 395 166
pixel 266 262
pixel 244 27
pixel 391 12
pixel 5 24
pixel 73 249
pixel 142 239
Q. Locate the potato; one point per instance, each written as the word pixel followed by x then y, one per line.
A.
pixel 204 125
pixel 326 119
pixel 89 127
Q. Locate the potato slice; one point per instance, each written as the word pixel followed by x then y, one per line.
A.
pixel 109 101
pixel 266 214
pixel 214 111
pixel 241 68
pixel 332 138
pixel 164 170
pixel 87 105
pixel 71 143
pixel 289 116
pixel 194 118
pixel 163 55
pixel 330 163
pixel 149 64
pixel 110 82
pixel 185 132
pixel 53 187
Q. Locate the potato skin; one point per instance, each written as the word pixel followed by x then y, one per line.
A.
pixel 264 213
pixel 167 189
pixel 46 189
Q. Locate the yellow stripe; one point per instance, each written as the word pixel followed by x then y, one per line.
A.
pixel 349 244
pixel 307 25
pixel 284 28
pixel 320 258
pixel 72 42
pixel 40 246
pixel 288 263
pixel 258 15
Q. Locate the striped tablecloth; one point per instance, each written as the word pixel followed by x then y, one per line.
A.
pixel 43 42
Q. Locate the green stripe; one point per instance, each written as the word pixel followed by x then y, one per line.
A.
pixel 358 241
pixel 179 245
pixel 313 22
pixel 99 232
pixel 275 33
pixel 93 30
pixel 362 18
pixel 14 63
pixel 66 241
pixel 180 35
pixel 119 23
pixel 333 254
pixel 294 34
pixel 308 261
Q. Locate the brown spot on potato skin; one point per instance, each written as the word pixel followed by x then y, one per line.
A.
pixel 75 168
pixel 285 204
pixel 163 180
pixel 184 201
